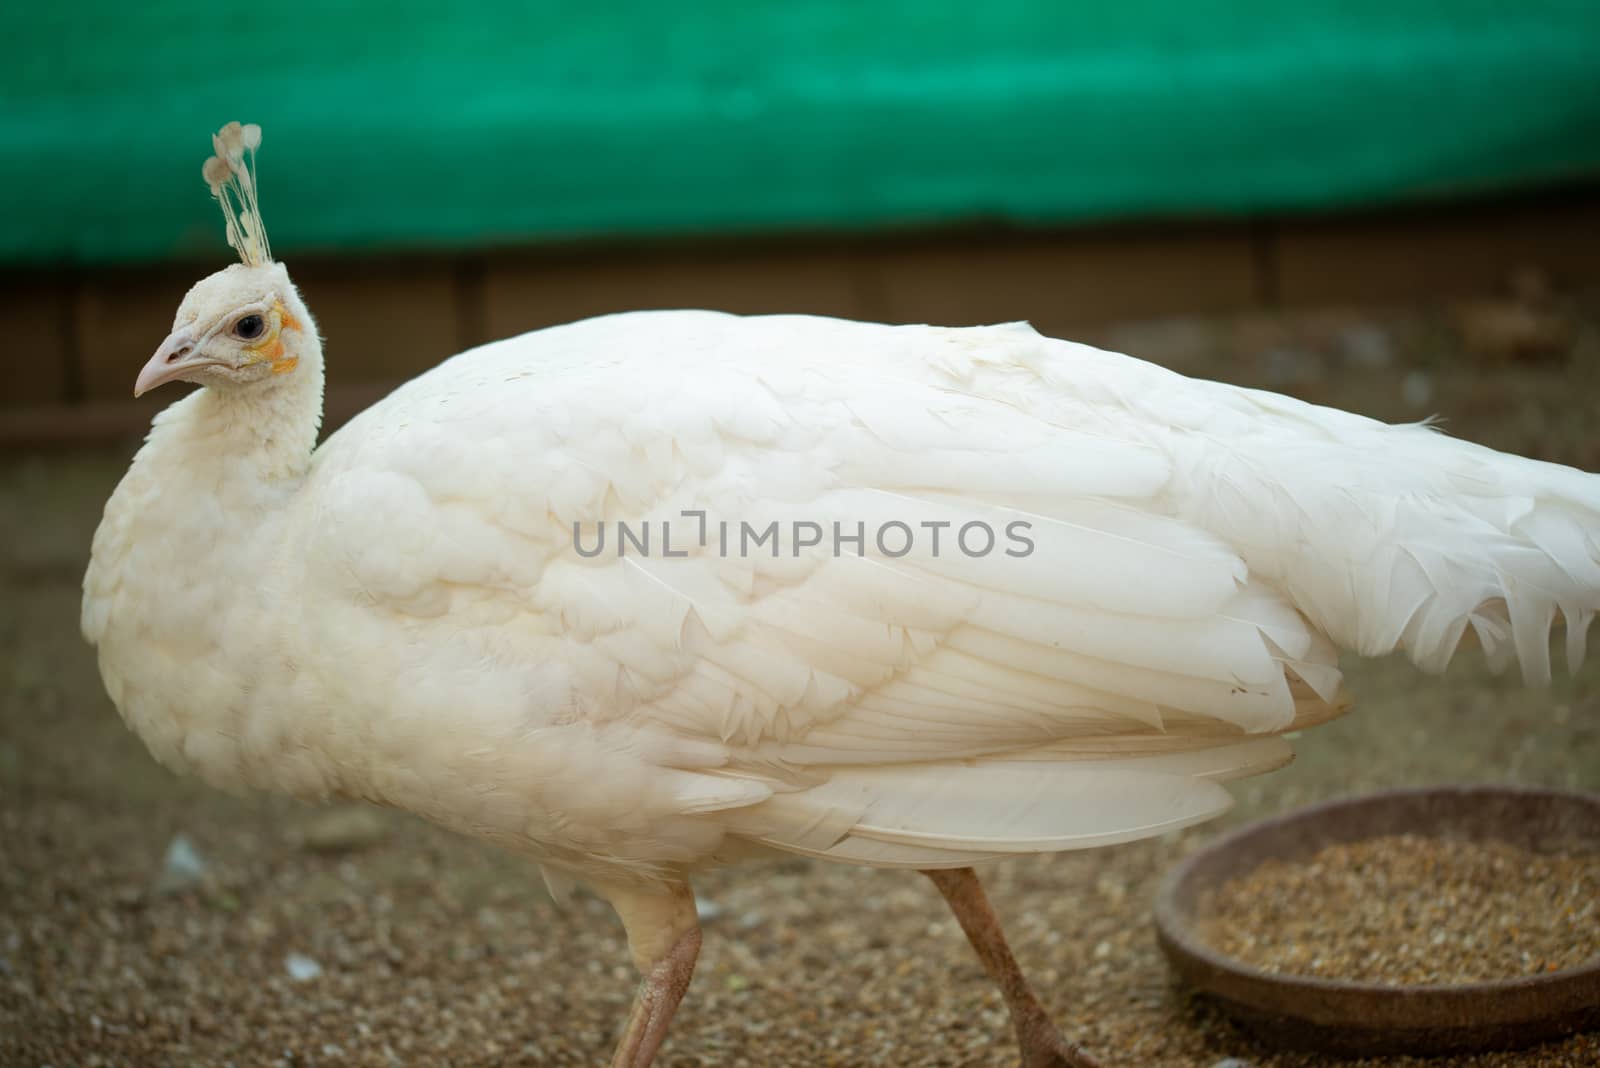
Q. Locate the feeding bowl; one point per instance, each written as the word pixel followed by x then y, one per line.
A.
pixel 1364 1018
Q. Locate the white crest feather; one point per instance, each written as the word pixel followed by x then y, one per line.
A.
pixel 231 176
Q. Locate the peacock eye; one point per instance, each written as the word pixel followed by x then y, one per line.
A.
pixel 250 327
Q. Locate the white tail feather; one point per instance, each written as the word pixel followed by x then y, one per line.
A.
pixel 1393 537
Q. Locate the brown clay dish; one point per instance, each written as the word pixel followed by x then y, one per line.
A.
pixel 1358 1018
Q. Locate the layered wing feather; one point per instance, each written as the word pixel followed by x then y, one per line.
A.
pixel 1189 549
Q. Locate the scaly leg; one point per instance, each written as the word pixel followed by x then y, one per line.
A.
pixel 664 937
pixel 1042 1045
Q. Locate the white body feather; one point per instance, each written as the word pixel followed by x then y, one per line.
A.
pixel 410 621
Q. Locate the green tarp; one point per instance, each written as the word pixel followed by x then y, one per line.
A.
pixel 422 123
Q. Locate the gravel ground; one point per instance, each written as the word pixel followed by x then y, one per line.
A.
pixel 148 921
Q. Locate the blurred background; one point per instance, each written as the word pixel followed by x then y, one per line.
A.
pixel 1388 205
pixel 440 175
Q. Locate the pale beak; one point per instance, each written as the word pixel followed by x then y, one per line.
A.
pixel 175 358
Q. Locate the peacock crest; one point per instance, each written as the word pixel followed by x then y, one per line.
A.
pixel 232 178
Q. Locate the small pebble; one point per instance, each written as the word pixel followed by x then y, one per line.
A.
pixel 301 968
pixel 181 868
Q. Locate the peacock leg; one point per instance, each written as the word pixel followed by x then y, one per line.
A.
pixel 1042 1045
pixel 664 937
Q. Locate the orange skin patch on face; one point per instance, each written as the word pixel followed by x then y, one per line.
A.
pixel 281 364
pixel 285 318
pixel 271 348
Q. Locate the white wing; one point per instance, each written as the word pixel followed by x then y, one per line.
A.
pixel 1188 548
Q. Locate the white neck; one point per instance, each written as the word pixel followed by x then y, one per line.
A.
pixel 180 562
pixel 265 431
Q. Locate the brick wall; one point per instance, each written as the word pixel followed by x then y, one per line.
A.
pixel 76 339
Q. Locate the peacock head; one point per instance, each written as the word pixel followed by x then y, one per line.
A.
pixel 244 325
